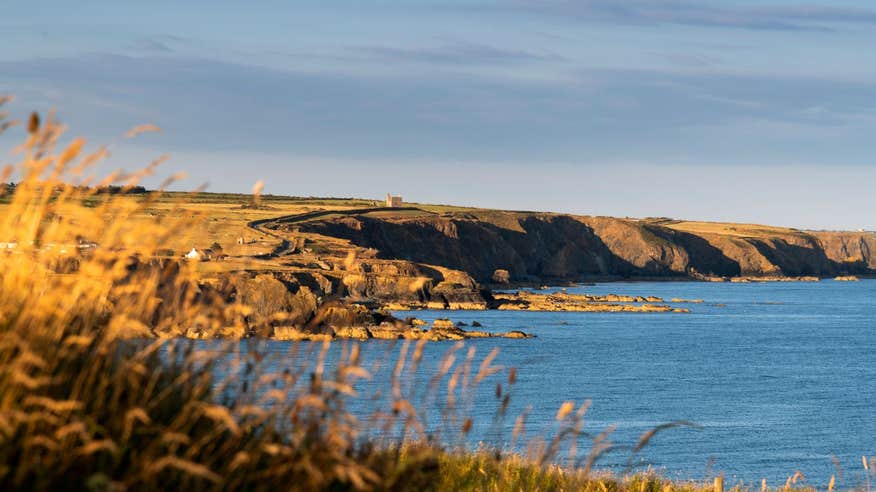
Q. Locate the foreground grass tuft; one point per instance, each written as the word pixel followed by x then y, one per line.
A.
pixel 89 400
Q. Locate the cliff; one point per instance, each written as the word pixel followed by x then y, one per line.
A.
pixel 545 247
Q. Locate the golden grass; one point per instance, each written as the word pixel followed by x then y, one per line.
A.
pixel 87 402
pixel 83 409
pixel 730 229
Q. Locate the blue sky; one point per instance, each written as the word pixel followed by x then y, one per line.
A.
pixel 756 111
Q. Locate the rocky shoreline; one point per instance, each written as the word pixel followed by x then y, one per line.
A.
pixel 523 300
pixel 336 304
pixel 409 329
pixel 358 302
pixel 341 273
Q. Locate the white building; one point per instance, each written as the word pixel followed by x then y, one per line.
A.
pixel 195 254
pixel 393 201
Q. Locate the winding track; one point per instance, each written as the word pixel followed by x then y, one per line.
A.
pixel 257 225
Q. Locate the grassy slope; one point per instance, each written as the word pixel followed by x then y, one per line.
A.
pixel 225 217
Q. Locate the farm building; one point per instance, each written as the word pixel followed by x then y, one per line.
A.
pixel 393 201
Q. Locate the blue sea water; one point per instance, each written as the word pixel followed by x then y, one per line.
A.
pixel 778 377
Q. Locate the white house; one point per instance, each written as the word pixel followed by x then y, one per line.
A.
pixel 195 254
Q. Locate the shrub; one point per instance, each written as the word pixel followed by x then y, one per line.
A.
pixel 501 276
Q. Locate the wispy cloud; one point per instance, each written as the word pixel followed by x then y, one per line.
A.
pixel 205 104
pixel 150 45
pixel 461 54
pixel 703 14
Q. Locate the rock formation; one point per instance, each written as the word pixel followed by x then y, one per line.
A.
pixel 534 247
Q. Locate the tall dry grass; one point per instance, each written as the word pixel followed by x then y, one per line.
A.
pixel 80 408
pixel 83 407
pixel 92 396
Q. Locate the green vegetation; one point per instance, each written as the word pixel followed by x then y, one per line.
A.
pixel 241 198
pixel 87 404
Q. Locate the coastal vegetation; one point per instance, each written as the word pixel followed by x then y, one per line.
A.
pixel 99 392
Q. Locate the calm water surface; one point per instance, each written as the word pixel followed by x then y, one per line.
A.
pixel 780 376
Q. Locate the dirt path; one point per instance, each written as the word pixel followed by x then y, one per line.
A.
pixel 285 245
pixel 257 225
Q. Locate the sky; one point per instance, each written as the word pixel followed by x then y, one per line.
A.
pixel 732 110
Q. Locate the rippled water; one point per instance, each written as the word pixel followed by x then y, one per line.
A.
pixel 779 376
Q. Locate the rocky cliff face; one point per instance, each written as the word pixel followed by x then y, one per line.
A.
pixel 550 246
pixel 543 247
pixel 353 294
pixel 304 305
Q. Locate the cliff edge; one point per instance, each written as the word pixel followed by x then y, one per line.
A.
pixel 543 247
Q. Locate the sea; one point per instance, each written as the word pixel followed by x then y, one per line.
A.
pixel 759 381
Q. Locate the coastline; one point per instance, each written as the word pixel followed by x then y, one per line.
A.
pixel 610 279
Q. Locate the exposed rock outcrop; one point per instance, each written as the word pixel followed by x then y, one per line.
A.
pixel 390 329
pixel 847 278
pixel 299 306
pixel 561 301
pixel 406 285
pixel 551 247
